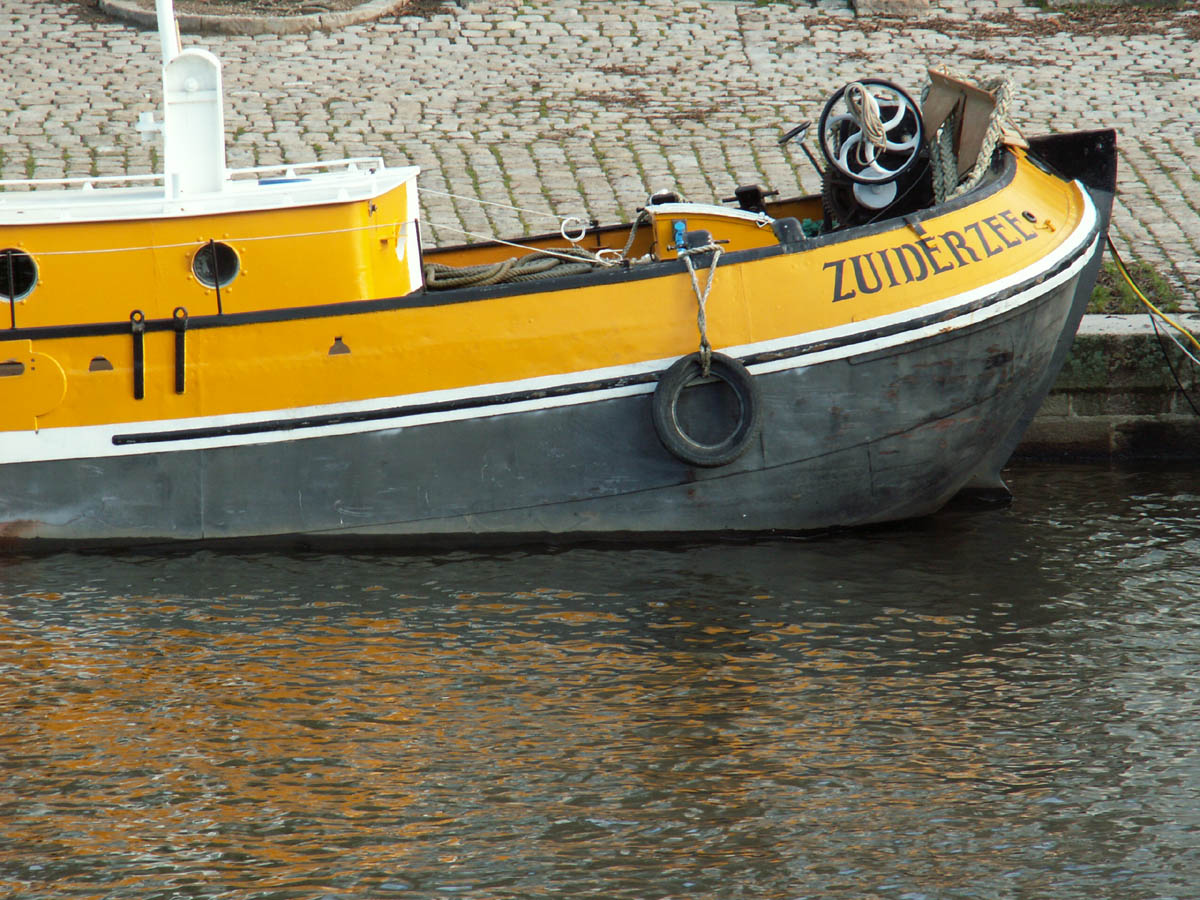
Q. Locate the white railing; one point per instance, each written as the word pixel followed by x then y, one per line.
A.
pixel 284 170
pixel 290 170
pixel 87 183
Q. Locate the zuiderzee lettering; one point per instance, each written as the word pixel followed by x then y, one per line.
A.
pixel 927 256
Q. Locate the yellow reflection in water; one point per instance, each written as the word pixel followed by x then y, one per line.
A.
pixel 271 755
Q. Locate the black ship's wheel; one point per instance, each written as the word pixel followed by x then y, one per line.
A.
pixel 870 131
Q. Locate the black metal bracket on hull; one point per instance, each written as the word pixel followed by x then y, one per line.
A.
pixel 181 323
pixel 137 327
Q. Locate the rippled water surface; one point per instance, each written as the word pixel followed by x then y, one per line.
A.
pixel 988 704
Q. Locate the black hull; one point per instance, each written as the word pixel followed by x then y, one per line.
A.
pixel 1090 157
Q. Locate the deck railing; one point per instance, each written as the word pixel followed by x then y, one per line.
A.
pixel 283 170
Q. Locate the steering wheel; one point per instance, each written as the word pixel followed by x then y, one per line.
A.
pixel 871 131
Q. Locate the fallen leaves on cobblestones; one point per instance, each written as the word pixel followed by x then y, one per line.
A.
pixel 1124 21
pixel 261 7
pixel 1120 21
pixel 424 7
pixel 273 7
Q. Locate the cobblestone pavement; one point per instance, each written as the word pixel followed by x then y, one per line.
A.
pixel 568 106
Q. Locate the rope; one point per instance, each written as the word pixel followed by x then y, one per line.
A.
pixel 1158 333
pixel 1154 310
pixel 565 223
pixel 865 110
pixel 1155 314
pixel 946 185
pixel 533 212
pixel 537 264
pixel 532 267
pixel 442 277
pixel 224 240
pixel 702 300
pixel 642 219
pixel 563 254
pixel 945 166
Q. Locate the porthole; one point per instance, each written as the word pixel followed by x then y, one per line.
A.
pixel 18 274
pixel 216 265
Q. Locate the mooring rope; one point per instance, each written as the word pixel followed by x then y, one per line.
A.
pixel 236 239
pixel 1153 310
pixel 946 184
pixel 532 267
pixel 541 213
pixel 702 299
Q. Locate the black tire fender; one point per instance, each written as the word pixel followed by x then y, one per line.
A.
pixel 683 372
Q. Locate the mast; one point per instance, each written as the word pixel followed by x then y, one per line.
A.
pixel 168 30
pixel 193 125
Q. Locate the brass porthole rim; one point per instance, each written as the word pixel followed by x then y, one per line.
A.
pixel 26 257
pixel 226 279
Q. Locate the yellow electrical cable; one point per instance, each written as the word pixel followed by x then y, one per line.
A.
pixel 1158 312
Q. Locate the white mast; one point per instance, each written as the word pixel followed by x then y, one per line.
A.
pixel 193 115
pixel 168 30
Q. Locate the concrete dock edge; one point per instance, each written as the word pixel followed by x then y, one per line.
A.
pixel 1116 397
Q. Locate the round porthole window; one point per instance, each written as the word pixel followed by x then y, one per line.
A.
pixel 18 274
pixel 216 265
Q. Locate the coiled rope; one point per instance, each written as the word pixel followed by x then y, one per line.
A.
pixel 535 265
pixel 531 267
pixel 865 110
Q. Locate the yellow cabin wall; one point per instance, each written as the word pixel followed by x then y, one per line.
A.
pixel 290 257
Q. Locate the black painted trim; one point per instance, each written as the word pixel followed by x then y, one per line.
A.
pixel 1090 156
pixel 375 415
pixel 288 314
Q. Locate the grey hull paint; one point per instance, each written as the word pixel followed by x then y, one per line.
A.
pixel 867 438
pixel 988 478
pixel 1091 158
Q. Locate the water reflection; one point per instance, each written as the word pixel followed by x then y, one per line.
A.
pixel 983 704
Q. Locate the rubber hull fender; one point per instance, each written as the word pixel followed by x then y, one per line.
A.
pixel 686 371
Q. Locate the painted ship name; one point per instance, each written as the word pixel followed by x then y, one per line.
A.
pixel 929 255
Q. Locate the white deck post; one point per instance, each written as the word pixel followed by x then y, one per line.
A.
pixel 193 114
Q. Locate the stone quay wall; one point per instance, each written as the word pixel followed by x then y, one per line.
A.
pixel 1117 397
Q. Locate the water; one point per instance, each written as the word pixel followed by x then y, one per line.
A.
pixel 986 704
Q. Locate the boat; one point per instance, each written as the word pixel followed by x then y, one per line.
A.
pixel 280 354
